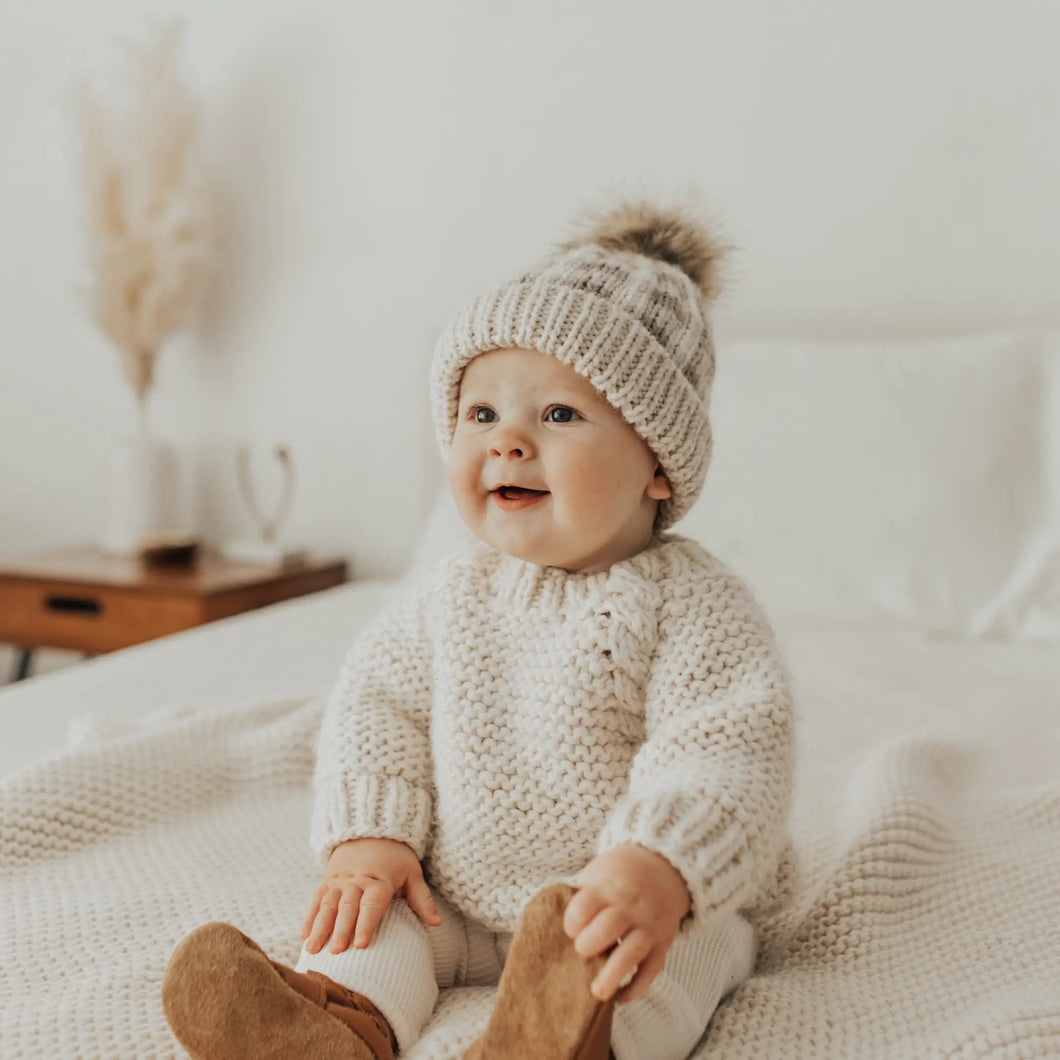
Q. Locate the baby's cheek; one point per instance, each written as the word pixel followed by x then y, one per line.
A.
pixel 463 474
pixel 590 480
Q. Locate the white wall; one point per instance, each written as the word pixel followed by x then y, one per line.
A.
pixel 883 168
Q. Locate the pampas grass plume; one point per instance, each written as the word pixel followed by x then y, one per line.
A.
pixel 149 228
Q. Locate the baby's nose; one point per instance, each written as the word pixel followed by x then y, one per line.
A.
pixel 511 441
pixel 507 450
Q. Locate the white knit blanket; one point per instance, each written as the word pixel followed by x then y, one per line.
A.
pixel 927 919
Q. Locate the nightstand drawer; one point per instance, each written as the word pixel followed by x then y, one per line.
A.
pixel 89 618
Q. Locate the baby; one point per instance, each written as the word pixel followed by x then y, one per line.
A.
pixel 565 754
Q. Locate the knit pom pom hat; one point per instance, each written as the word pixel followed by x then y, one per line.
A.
pixel 624 304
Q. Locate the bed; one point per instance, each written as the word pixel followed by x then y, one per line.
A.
pixel 896 508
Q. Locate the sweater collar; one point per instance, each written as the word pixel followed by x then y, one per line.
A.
pixel 526 584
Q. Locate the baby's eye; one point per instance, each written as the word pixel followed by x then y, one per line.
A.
pixel 482 414
pixel 561 414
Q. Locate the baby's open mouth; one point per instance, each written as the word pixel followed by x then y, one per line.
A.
pixel 517 498
pixel 511 493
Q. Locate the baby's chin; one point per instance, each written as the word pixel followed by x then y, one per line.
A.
pixel 550 545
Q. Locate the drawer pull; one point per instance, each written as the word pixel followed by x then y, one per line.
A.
pixel 73 605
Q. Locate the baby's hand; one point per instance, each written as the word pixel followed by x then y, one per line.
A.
pixel 636 898
pixel 361 878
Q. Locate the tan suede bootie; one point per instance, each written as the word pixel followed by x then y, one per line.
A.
pixel 225 1000
pixel 544 1006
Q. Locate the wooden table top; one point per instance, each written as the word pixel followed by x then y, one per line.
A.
pixel 211 574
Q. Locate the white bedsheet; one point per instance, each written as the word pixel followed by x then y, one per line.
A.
pixel 927 811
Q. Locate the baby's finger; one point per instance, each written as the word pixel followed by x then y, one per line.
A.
pixel 640 984
pixel 605 929
pixel 314 905
pixel 374 903
pixel 418 895
pixel 325 920
pixel 349 905
pixel 585 904
pixel 622 963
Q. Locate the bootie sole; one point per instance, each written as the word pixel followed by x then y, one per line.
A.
pixel 544 1006
pixel 225 1001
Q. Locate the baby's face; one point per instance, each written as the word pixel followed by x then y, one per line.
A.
pixel 583 485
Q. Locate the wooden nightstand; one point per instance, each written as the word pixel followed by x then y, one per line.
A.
pixel 83 600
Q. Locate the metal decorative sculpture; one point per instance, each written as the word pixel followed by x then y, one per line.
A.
pixel 268 523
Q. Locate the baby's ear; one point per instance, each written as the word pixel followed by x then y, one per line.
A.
pixel 659 487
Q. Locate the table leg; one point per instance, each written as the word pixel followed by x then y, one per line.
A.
pixel 22 664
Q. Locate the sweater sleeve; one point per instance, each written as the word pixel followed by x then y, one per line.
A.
pixel 373 774
pixel 710 786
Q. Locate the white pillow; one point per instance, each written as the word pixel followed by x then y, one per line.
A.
pixel 902 478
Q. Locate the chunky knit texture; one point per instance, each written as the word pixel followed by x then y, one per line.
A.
pixel 923 925
pixel 508 721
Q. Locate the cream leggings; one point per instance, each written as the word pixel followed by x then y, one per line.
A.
pixel 407 963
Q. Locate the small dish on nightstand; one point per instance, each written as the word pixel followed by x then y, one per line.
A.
pixel 170 548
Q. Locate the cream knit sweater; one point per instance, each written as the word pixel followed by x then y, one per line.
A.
pixel 510 721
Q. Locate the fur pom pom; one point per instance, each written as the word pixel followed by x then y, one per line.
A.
pixel 670 235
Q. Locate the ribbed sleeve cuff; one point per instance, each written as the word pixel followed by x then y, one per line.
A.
pixel 709 849
pixel 371 805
